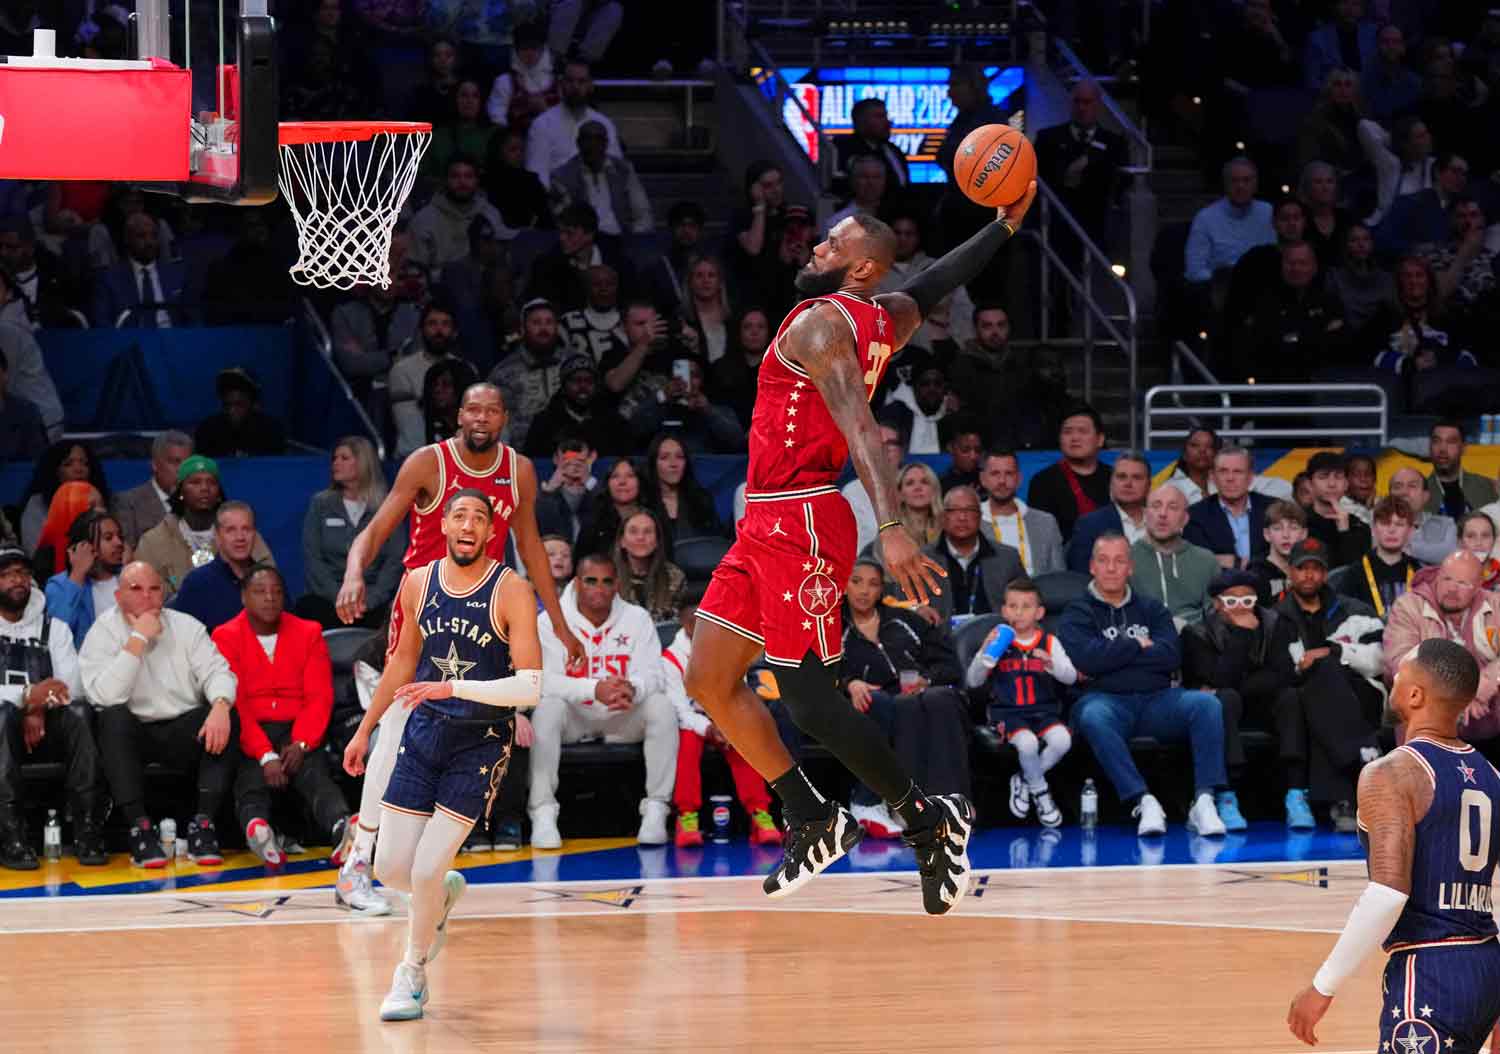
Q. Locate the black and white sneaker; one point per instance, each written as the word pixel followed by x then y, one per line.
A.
pixel 943 853
pixel 1020 797
pixel 810 848
pixel 145 846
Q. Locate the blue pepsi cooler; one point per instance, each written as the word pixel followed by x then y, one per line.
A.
pixel 1004 638
pixel 719 810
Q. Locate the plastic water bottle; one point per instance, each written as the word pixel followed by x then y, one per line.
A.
pixel 168 832
pixel 1088 806
pixel 52 837
pixel 1004 638
pixel 719 804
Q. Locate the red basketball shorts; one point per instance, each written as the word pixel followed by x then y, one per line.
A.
pixel 782 582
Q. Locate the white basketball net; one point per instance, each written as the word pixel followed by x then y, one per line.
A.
pixel 345 196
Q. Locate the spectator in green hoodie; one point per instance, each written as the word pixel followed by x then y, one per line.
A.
pixel 1168 568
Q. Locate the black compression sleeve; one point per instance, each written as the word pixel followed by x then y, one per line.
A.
pixel 956 268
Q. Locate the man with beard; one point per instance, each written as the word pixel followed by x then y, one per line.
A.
pixel 43 716
pixel 530 373
pixel 440 230
pixel 777 590
pixel 1450 490
pixel 241 428
pixel 474 459
pixel 86 590
pixel 576 410
pixel 437 338
pixel 211 593
pixel 185 539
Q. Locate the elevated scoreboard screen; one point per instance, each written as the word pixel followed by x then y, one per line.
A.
pixel 916 100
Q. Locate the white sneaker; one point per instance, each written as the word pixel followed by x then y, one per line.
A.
pixel 1152 820
pixel 654 815
pixel 544 833
pixel 261 838
pixel 1203 817
pixel 355 891
pixel 877 820
pixel 1046 809
pixel 454 885
pixel 407 995
pixel 1020 797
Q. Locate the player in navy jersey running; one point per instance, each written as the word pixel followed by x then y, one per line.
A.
pixel 778 588
pixel 469 643
pixel 1429 813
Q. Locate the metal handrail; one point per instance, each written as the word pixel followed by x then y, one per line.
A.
pixel 1181 352
pixel 1084 287
pixel 1140 146
pixel 1378 407
pixel 784 91
pixel 324 342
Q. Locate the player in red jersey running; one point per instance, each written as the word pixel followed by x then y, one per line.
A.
pixel 475 459
pixel 778 588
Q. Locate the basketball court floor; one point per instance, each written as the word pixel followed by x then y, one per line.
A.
pixel 1065 944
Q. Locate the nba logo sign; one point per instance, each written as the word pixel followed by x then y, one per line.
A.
pixel 797 121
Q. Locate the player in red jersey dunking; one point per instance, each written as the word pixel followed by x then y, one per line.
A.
pixel 474 459
pixel 779 586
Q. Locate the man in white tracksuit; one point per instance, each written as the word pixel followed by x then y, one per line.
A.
pixel 620 697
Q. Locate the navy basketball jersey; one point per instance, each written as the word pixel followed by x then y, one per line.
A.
pixel 1458 846
pixel 462 639
pixel 1020 678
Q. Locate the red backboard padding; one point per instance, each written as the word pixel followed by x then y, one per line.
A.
pixel 95 124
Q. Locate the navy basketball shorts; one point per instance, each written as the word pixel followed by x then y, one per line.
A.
pixel 449 764
pixel 1444 999
pixel 1008 720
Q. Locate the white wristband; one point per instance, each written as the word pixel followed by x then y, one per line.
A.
pixel 1369 924
pixel 521 691
pixel 269 756
pixel 136 634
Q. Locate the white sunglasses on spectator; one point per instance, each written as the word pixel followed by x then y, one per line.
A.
pixel 1236 602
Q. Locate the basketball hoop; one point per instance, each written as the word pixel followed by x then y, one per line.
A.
pixel 345 182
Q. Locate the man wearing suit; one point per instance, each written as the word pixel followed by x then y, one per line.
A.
pixel 150 289
pixel 1083 161
pixel 139 509
pixel 1129 483
pixel 607 183
pixel 872 138
pixel 1422 217
pixel 1010 522
pixel 977 569
pixel 1227 523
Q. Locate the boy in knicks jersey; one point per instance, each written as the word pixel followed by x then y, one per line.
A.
pixel 466 658
pixel 1429 813
pixel 1025 703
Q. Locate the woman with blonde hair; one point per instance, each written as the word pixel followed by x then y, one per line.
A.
pixel 920 504
pixel 356 487
pixel 706 307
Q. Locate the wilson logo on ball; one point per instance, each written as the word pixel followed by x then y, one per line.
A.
pixel 994 164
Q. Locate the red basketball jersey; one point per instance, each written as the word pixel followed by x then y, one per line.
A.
pixel 498 481
pixel 794 442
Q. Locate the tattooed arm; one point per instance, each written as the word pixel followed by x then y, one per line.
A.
pixel 1394 794
pixel 820 341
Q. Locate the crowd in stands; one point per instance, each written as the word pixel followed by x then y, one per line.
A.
pixel 1189 607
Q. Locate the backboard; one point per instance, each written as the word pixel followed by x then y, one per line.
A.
pixel 192 110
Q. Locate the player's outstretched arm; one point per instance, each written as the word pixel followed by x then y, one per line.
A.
pixel 820 340
pixel 1394 794
pixel 523 690
pixel 400 667
pixel 914 301
pixel 410 478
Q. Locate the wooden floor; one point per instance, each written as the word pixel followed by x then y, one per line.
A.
pixel 1094 961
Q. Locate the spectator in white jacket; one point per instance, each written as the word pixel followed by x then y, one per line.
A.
pixel 694 731
pixel 620 698
pixel 164 694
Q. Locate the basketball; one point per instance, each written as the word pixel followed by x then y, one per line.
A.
pixel 994 165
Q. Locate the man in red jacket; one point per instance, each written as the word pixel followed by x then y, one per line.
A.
pixel 285 699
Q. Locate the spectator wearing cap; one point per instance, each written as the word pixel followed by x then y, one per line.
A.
pixel 1332 647
pixel 561 276
pixel 666 277
pixel 607 183
pixel 186 538
pixel 1225 522
pixel 579 409
pixel 1450 490
pixel 142 290
pixel 1449 602
pixel 211 593
pixel 1386 571
pixel 1330 520
pixel 43 716
pixel 530 372
pixel 165 694
pixel 23 436
pixel 1433 535
pixel 86 587
pixel 1169 568
pixel 552 140
pixel 1232 652
pixel 436 341
pixel 440 229
pixel 141 508
pixel 597 329
pixel 240 428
